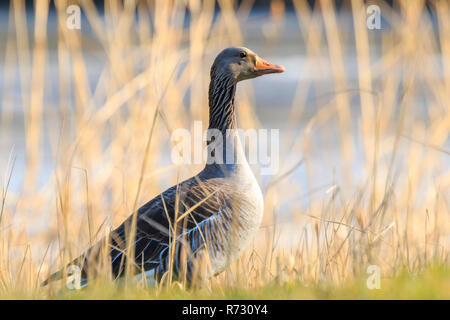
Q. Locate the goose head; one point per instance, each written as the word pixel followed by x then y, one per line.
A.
pixel 241 63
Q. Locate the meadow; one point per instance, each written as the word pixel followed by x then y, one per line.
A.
pixel 87 114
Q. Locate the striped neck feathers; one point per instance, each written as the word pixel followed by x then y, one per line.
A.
pixel 222 89
pixel 222 116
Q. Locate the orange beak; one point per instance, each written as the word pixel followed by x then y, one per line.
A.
pixel 264 67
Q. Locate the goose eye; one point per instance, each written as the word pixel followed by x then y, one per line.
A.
pixel 243 54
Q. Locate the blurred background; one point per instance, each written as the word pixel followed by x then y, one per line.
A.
pixel 362 109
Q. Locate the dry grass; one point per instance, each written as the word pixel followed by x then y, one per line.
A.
pixel 105 139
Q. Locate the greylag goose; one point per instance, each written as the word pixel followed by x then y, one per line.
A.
pixel 218 211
